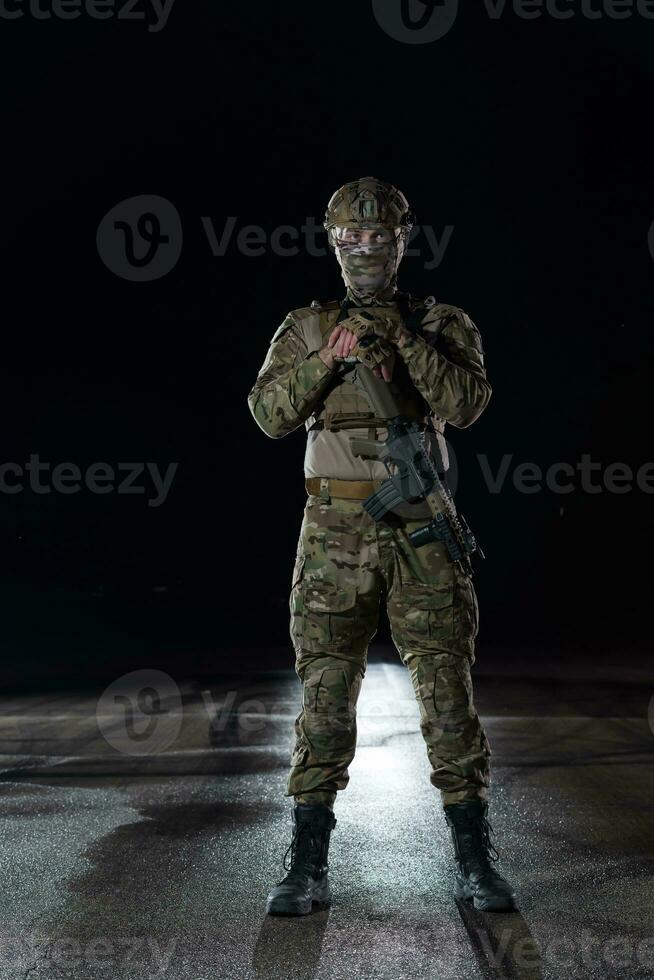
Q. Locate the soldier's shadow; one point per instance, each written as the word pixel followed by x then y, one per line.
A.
pixel 503 944
pixel 290 947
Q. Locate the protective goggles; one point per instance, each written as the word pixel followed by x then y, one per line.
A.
pixel 358 237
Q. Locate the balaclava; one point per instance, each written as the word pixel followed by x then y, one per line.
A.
pixel 369 268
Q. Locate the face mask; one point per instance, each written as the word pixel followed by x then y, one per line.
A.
pixel 369 271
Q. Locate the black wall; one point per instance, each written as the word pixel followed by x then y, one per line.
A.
pixel 530 138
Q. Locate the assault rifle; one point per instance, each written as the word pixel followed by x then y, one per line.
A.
pixel 412 474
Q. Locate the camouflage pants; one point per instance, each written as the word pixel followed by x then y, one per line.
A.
pixel 345 562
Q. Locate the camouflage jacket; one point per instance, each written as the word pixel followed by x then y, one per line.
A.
pixel 440 374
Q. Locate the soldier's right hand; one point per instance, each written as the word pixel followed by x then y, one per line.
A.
pixel 343 342
pixel 338 347
pixel 326 355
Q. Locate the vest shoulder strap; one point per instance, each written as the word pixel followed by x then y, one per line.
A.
pixel 313 322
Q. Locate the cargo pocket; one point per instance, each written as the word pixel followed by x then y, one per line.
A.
pixel 422 617
pixel 300 752
pixel 329 615
pixel 466 615
pixel 462 667
pixel 295 603
pixel 298 568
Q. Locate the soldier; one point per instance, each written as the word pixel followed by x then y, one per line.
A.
pixel 430 355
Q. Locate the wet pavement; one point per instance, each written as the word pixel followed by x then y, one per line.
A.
pixel 142 827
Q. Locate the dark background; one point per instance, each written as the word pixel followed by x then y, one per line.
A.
pixel 531 138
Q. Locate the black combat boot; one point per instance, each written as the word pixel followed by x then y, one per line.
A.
pixel 476 878
pixel 306 881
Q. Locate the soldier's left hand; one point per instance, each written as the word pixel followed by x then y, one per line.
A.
pixel 390 327
pixel 363 323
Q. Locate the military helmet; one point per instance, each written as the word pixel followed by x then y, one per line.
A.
pixel 369 202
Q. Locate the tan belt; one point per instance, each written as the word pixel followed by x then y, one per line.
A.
pixel 346 489
pixel 359 490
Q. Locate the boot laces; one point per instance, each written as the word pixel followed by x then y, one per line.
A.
pixel 479 845
pixel 293 847
pixel 489 848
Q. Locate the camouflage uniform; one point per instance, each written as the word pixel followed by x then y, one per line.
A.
pixel 346 562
